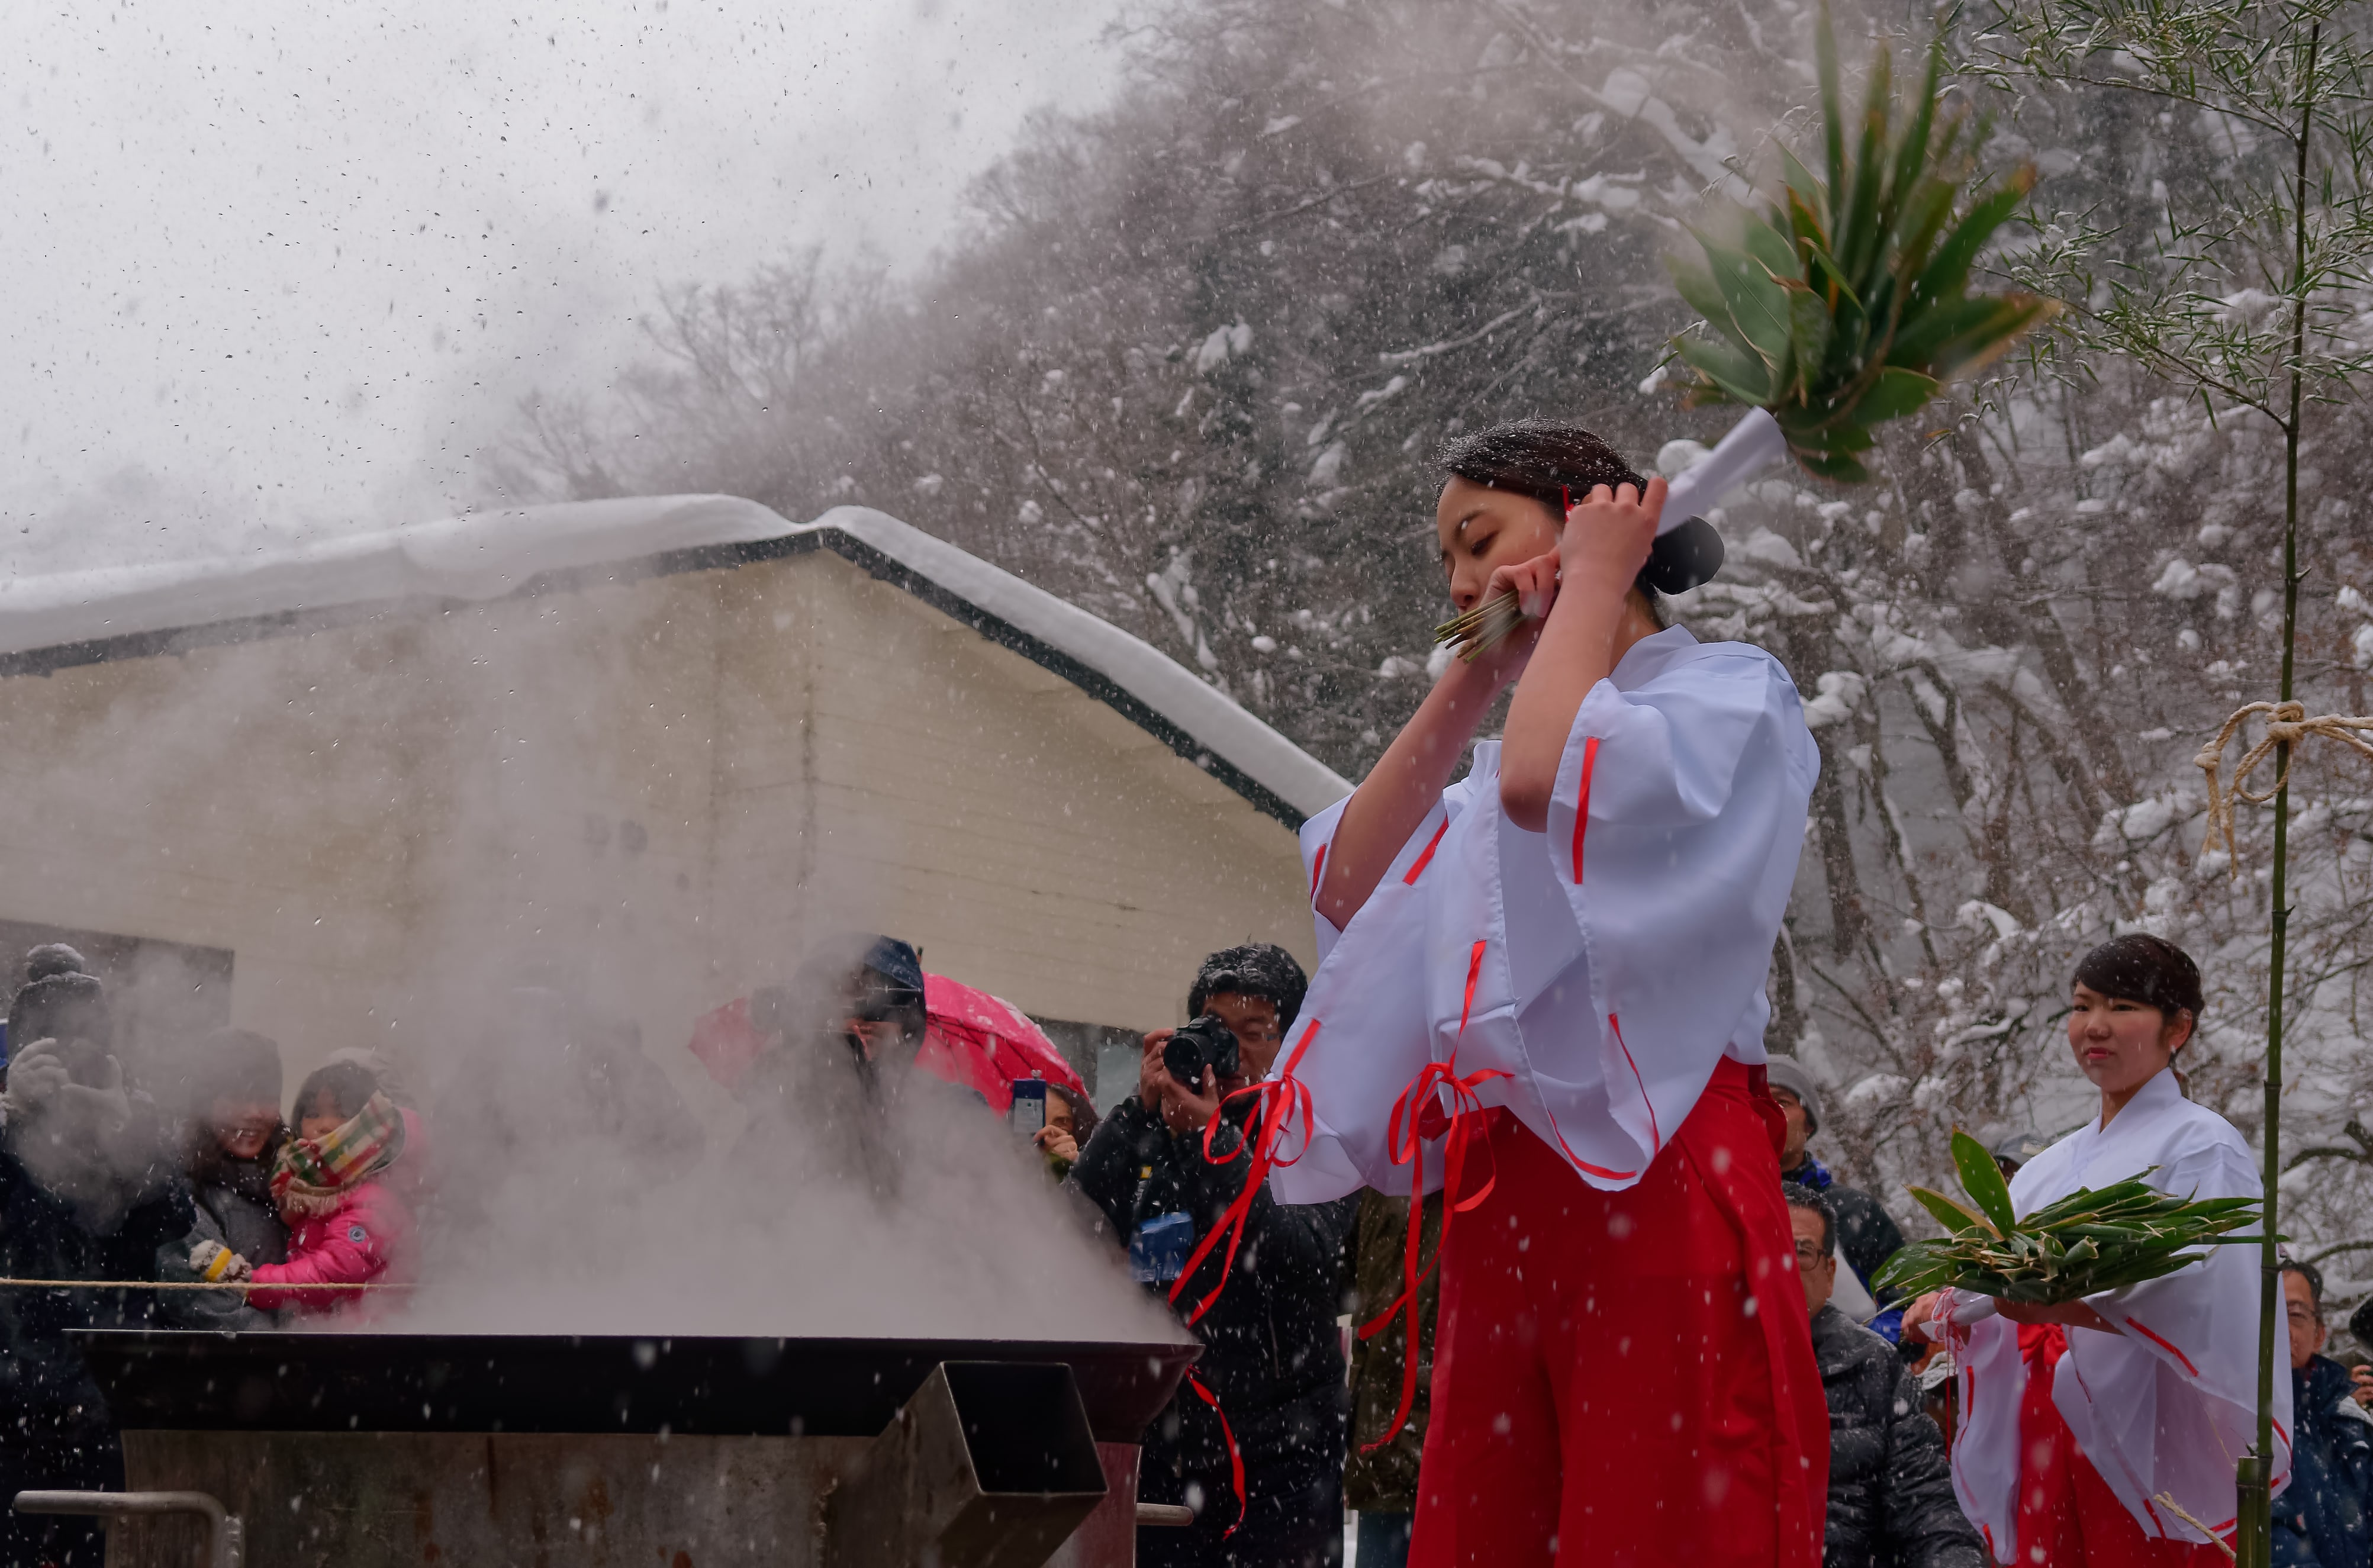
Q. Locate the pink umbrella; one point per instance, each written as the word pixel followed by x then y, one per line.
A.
pixel 984 1043
pixel 973 1038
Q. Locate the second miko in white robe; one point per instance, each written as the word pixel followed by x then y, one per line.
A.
pixel 2158 1410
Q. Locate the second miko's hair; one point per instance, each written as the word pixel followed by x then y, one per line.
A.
pixel 2148 970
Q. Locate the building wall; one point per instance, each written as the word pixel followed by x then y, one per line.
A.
pixel 661 790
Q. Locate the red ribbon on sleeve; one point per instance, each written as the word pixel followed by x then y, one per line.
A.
pixel 1418 1116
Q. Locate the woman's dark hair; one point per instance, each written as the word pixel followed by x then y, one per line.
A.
pixel 349 1085
pixel 2148 970
pixel 1557 465
pixel 1257 969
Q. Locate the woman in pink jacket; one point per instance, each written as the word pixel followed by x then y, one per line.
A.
pixel 347 1225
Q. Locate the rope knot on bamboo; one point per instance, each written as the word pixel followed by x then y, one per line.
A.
pixel 2288 725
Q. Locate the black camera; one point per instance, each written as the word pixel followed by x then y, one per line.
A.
pixel 1207 1042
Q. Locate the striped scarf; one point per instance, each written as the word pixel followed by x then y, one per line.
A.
pixel 314 1174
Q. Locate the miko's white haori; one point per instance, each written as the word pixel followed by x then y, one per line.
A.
pixel 2164 1408
pixel 1606 965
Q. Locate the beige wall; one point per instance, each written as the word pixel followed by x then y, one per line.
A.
pixel 675 784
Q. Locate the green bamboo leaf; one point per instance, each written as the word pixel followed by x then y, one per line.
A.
pixel 1982 1180
pixel 1807 432
pixel 1897 392
pixel 2086 1200
pixel 1808 200
pixel 1947 273
pixel 1844 470
pixel 1757 304
pixel 1973 350
pixel 1825 54
pixel 1818 268
pixel 1736 375
pixel 1949 1214
pixel 1917 341
pixel 1695 286
pixel 1862 235
pixel 1911 155
pixel 1808 333
pixel 1775 250
pixel 1925 212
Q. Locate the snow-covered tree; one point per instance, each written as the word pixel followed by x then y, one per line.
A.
pixel 1188 363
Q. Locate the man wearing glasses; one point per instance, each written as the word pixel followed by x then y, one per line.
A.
pixel 2320 1517
pixel 1890 1495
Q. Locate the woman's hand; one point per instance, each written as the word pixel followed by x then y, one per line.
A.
pixel 1608 537
pixel 1600 553
pixel 1924 1318
pixel 1057 1145
pixel 1534 582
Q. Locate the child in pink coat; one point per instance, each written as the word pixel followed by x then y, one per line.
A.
pixel 347 1225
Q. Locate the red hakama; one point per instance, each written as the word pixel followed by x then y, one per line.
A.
pixel 1627 1379
pixel 2068 1517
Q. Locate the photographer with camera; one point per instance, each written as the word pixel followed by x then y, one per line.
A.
pixel 1272 1356
pixel 88 1190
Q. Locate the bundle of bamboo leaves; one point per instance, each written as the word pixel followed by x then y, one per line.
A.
pixel 1847 304
pixel 2087 1241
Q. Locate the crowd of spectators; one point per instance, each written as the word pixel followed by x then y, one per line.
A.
pixel 196 1179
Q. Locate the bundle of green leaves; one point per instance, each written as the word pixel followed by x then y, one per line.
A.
pixel 1847 303
pixel 2087 1241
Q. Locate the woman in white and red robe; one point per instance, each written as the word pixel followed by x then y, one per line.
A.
pixel 2102 1434
pixel 1548 978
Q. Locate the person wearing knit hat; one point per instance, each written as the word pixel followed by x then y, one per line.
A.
pixel 84 1195
pixel 1788 1074
pixel 1868 1234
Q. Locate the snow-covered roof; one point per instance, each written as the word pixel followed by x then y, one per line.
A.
pixel 61 619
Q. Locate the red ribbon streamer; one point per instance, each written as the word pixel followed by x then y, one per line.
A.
pixel 1277 1101
pixel 1235 1455
pixel 1416 1117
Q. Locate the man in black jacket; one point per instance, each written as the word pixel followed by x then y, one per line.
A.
pixel 87 1192
pixel 1891 1503
pixel 1272 1356
pixel 1868 1236
pixel 2319 1518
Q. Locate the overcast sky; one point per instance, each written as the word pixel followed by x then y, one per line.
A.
pixel 279 267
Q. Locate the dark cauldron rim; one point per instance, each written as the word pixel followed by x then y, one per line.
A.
pixel 196 1380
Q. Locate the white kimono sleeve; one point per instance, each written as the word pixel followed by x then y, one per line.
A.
pixel 1992 1379
pixel 2163 1409
pixel 1673 833
pixel 1362 1034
